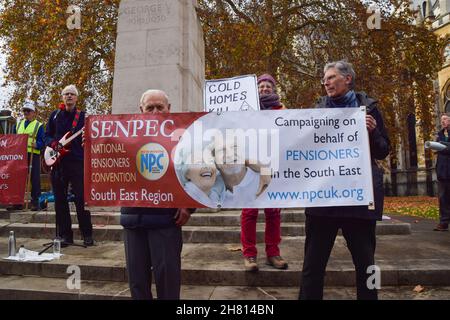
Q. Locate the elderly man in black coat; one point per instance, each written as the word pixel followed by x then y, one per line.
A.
pixel 358 223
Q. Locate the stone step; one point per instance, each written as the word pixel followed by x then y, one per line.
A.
pixel 5 215
pixel 223 218
pixel 193 234
pixel 51 207
pixel 39 288
pixel 35 288
pixel 222 264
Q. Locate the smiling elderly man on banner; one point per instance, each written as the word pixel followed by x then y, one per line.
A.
pixel 358 223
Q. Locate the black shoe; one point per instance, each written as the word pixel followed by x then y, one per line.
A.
pixel 15 207
pixel 441 227
pixel 34 208
pixel 88 241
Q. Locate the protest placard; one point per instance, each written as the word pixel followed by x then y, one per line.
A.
pixel 13 168
pixel 232 94
pixel 287 158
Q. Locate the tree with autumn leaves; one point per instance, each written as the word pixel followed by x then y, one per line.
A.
pixel 291 39
pixel 43 55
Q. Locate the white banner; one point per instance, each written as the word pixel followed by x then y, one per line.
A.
pixel 232 94
pixel 277 159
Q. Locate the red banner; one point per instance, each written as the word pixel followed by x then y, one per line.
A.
pixel 13 168
pixel 128 160
pixel 284 158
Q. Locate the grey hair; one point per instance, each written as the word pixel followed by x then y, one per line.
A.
pixel 153 91
pixel 344 68
pixel 70 89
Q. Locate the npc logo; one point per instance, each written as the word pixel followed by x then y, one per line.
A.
pixel 152 161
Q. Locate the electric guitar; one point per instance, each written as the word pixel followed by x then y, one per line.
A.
pixel 52 156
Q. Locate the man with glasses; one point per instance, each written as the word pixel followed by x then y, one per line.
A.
pixel 358 223
pixel 35 131
pixel 70 169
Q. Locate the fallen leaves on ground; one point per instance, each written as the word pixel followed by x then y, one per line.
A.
pixel 419 206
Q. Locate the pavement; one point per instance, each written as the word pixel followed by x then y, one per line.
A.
pixel 419 259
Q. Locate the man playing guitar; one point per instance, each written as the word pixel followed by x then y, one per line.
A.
pixel 69 168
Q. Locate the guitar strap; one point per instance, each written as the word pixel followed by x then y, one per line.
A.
pixel 75 121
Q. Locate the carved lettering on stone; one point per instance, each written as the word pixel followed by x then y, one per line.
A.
pixel 153 13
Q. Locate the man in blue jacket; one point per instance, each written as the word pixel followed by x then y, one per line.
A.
pixel 443 175
pixel 70 169
pixel 357 223
pixel 152 236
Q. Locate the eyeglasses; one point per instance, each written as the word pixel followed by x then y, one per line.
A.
pixel 27 110
pixel 330 78
pixel 69 94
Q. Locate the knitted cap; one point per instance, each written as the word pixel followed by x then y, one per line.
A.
pixel 267 77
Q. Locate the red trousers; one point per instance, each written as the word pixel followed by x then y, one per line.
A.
pixel 272 232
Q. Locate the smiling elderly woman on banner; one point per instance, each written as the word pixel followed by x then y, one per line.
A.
pixel 358 223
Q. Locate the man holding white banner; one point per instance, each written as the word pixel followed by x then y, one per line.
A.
pixel 358 223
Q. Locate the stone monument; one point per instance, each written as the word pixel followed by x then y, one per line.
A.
pixel 159 46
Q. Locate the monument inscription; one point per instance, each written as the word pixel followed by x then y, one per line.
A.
pixel 136 15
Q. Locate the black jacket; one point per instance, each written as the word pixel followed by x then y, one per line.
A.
pixel 379 149
pixel 59 123
pixel 443 160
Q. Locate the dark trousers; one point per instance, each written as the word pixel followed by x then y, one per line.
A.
pixel 64 173
pixel 157 249
pixel 444 201
pixel 320 236
pixel 35 178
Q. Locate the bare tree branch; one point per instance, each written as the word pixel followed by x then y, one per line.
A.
pixel 238 12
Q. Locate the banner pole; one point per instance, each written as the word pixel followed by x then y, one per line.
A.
pixel 30 167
